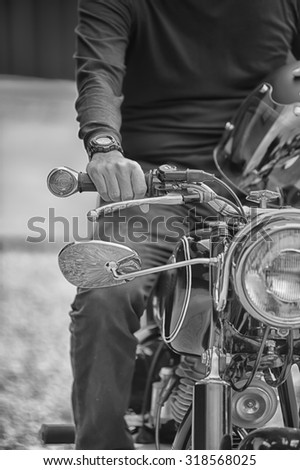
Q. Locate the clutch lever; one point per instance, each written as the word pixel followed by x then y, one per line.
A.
pixel 169 199
pixel 179 195
pixel 202 194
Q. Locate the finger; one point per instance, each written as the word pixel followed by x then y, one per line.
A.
pixel 99 182
pixel 138 182
pixel 112 185
pixel 125 185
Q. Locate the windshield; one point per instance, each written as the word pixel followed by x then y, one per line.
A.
pixel 261 147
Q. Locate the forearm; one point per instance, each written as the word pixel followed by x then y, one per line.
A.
pixel 98 110
pixel 102 37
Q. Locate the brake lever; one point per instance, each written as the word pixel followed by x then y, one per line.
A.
pixel 204 194
pixel 169 199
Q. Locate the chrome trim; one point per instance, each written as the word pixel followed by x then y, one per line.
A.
pixel 64 169
pixel 170 199
pixel 159 269
pixel 262 216
pixel 172 336
pixel 238 280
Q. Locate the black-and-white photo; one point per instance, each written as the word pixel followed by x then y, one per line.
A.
pixel 150 229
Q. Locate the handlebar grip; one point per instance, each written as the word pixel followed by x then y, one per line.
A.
pixel 63 182
pixel 85 183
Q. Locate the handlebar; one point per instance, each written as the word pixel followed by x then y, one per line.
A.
pixel 63 182
pixel 85 183
pixel 165 185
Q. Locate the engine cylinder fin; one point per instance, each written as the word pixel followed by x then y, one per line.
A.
pixel 190 370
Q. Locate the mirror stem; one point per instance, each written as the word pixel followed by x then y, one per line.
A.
pixel 180 264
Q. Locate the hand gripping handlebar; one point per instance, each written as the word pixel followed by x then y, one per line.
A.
pixel 165 185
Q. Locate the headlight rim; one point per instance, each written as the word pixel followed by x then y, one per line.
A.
pixel 239 283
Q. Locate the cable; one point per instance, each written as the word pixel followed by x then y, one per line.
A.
pixel 232 193
pixel 230 203
pixel 238 209
pixel 287 364
pixel 256 364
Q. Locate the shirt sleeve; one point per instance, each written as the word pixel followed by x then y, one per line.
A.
pixel 102 36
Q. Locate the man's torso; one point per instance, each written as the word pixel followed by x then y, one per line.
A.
pixel 190 63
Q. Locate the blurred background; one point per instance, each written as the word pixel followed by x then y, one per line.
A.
pixel 38 131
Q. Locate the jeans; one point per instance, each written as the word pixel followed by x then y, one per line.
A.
pixel 103 323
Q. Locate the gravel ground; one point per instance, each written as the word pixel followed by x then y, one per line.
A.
pixel 34 347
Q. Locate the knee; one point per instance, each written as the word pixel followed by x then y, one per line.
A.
pixel 109 296
pixel 89 299
pixel 108 305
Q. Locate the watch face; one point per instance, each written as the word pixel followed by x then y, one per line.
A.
pixel 103 141
pixel 103 144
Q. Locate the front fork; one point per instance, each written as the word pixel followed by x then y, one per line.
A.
pixel 211 409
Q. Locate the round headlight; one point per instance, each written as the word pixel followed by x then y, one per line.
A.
pixel 267 276
pixel 283 276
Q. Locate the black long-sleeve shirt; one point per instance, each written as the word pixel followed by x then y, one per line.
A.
pixel 166 75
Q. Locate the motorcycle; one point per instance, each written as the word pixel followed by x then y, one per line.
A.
pixel 214 360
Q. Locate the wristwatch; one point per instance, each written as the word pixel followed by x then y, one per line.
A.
pixel 102 144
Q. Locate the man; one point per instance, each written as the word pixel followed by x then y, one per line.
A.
pixel 157 81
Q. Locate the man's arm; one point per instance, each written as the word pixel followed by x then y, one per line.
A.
pixel 102 38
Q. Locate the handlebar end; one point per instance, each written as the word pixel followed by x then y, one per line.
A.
pixel 62 182
pixel 92 215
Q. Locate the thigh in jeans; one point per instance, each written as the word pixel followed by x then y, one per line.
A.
pixel 152 233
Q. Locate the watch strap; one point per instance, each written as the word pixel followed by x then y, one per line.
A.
pixel 93 146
